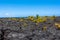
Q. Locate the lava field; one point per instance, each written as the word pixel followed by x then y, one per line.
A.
pixel 29 29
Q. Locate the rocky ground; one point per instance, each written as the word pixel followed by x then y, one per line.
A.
pixel 15 30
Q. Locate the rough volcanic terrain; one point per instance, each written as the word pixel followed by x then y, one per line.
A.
pixel 29 30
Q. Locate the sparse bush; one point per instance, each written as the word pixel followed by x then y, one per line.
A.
pixel 52 17
pixel 31 18
pixel 57 25
pixel 21 20
pixel 25 24
pixel 44 28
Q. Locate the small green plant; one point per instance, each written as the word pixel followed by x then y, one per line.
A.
pixel 25 24
pixel 44 28
pixel 37 16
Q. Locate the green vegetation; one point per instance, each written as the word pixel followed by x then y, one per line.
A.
pixel 38 19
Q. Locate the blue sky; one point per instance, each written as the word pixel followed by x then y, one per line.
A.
pixel 22 8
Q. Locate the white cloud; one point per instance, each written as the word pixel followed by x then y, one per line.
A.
pixel 7 14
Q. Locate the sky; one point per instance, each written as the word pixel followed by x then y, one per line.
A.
pixel 23 8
